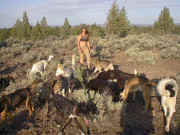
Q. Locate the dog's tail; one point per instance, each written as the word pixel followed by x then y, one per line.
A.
pixel 167 87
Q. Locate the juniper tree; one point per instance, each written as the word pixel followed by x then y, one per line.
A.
pixel 44 27
pixel 123 26
pixel 96 30
pixel 17 30
pixel 27 26
pixel 117 21
pixel 36 32
pixel 113 19
pixel 66 27
pixel 165 23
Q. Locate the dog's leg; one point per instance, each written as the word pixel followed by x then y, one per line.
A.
pixel 67 122
pixel 171 110
pixel 28 106
pixel 95 70
pixel 147 98
pixel 63 92
pixel 69 85
pixel 168 120
pixel 80 126
pixel 164 105
pixel 4 113
pixel 125 92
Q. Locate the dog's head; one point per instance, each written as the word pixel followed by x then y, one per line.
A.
pixel 60 70
pixel 50 57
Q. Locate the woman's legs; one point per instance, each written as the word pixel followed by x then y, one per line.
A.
pixel 85 51
pixel 81 57
pixel 87 54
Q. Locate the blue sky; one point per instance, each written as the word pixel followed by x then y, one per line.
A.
pixel 84 11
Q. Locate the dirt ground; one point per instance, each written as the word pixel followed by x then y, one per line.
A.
pixel 132 120
pixel 163 67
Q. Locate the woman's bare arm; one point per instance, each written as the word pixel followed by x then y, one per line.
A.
pixel 78 42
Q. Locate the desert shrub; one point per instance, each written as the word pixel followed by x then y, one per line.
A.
pixel 29 57
pixel 70 43
pixel 171 52
pixel 103 103
pixel 142 56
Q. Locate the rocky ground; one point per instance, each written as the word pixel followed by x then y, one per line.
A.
pixel 156 56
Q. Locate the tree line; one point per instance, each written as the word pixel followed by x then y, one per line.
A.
pixel 117 23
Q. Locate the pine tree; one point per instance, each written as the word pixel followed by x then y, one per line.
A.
pixel 67 27
pixel 96 30
pixel 36 32
pixel 44 27
pixel 17 30
pixel 27 26
pixel 165 23
pixel 117 21
pixel 113 19
pixel 44 22
pixel 124 25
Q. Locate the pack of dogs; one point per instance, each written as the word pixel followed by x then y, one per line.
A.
pixel 106 80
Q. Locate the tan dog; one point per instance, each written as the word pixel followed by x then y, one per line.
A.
pixel 101 65
pixel 60 86
pixel 12 101
pixel 144 84
pixel 66 73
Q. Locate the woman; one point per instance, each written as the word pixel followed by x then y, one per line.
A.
pixel 84 46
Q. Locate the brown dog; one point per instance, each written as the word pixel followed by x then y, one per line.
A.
pixel 11 101
pixel 142 82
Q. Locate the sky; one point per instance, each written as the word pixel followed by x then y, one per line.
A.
pixel 84 11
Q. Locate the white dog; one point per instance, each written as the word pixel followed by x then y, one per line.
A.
pixel 40 66
pixel 167 88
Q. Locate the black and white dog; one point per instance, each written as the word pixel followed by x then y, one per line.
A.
pixel 167 88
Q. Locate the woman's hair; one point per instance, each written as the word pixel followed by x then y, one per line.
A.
pixel 85 30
